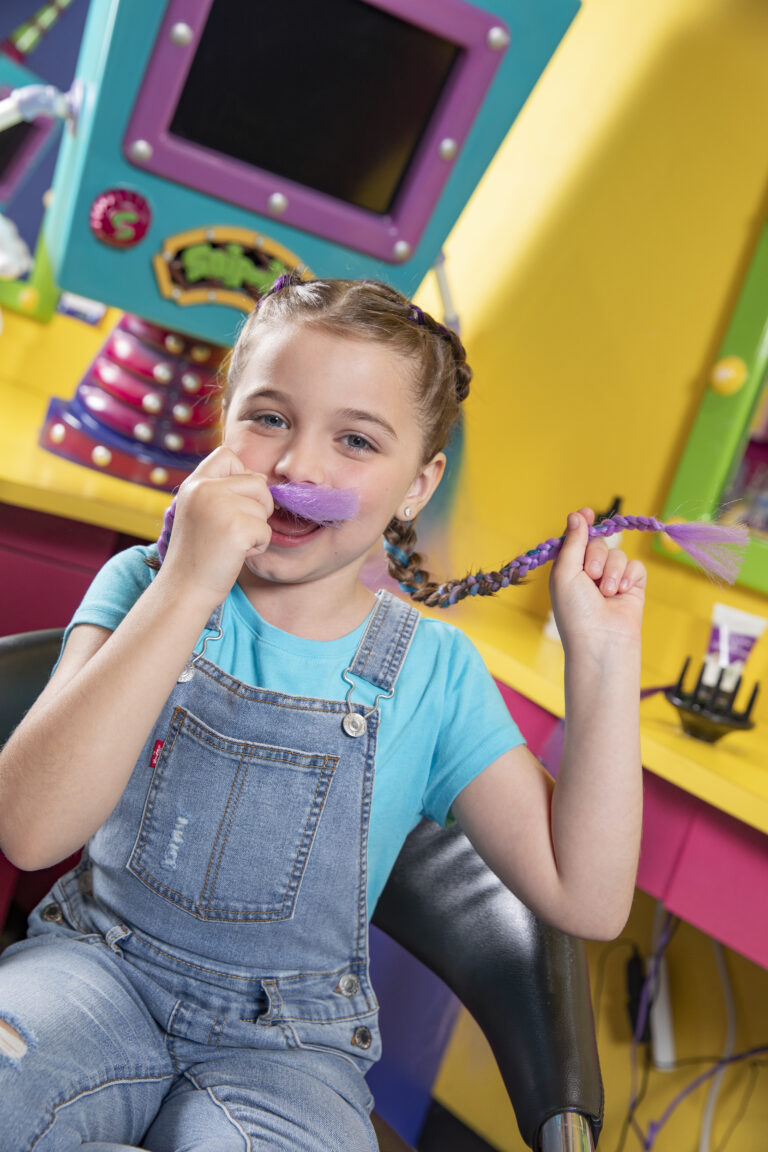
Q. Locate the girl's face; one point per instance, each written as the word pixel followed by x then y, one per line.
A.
pixel 316 408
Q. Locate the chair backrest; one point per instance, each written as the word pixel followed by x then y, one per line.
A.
pixel 525 983
pixel 26 661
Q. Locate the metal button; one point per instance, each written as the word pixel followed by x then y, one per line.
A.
pixel 181 35
pixel 52 913
pixel 354 724
pixel 349 984
pixel 361 1037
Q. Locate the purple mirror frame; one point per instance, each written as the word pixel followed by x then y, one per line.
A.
pixel 392 237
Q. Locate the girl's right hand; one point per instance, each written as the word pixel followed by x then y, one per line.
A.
pixel 221 517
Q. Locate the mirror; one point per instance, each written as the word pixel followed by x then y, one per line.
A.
pixel 723 475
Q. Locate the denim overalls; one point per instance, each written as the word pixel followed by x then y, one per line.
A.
pixel 224 900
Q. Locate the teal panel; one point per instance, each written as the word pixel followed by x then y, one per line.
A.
pixel 116 48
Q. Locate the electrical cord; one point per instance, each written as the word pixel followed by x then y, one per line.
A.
pixel 629 1119
pixel 754 1067
pixel 655 1126
pixel 707 1119
pixel 718 1064
pixel 600 971
pixel 663 933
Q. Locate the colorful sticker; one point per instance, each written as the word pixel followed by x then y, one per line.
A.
pixel 222 265
pixel 120 217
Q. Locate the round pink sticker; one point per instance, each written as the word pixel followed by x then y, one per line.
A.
pixel 120 217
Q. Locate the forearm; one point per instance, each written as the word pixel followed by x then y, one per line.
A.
pixel 66 766
pixel 597 802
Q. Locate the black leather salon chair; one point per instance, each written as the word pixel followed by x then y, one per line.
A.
pixel 525 983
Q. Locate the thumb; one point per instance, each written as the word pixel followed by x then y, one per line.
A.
pixel 221 462
pixel 571 558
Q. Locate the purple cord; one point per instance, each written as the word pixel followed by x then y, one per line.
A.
pixel 655 1126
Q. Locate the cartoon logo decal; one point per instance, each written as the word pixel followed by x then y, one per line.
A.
pixel 222 265
pixel 120 217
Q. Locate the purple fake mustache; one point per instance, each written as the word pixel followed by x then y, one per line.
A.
pixel 313 502
pixel 325 506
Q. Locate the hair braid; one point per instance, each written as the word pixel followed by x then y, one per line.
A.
pixel 367 309
pixel 717 548
pixel 462 370
pixel 404 565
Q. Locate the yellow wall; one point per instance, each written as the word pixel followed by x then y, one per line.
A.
pixel 596 268
pixel 595 271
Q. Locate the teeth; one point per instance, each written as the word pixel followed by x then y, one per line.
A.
pixel 290 524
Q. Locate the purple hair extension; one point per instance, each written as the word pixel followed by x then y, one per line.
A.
pixel 165 533
pixel 314 502
pixel 325 506
pixel 716 548
pixel 287 278
pixel 418 317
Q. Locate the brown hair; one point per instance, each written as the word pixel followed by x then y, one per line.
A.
pixel 370 310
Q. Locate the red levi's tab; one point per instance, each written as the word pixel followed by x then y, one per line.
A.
pixel 156 753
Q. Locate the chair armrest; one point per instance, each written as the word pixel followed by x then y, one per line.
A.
pixel 525 983
pixel 26 660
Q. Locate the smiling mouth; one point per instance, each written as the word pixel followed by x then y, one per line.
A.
pixel 288 524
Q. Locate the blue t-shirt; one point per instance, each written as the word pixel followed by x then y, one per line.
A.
pixel 445 723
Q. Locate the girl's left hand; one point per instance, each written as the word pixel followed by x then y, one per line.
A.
pixel 594 588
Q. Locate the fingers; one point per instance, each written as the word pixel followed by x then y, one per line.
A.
pixel 221 462
pixel 223 472
pixel 222 515
pixel 608 567
pixel 635 576
pixel 611 571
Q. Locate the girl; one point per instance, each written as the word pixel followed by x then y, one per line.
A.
pixel 200 981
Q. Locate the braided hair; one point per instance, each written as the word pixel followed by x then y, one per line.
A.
pixel 371 310
pixel 368 309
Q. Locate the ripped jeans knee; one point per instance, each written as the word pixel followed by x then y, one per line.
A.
pixel 81 1060
pixel 15 1039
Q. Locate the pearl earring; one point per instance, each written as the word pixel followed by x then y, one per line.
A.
pixel 407 512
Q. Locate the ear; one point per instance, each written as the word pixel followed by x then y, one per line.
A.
pixel 422 487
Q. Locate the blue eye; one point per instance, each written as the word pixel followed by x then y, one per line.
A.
pixel 269 420
pixel 358 443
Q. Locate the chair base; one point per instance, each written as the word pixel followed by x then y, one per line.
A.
pixel 568 1132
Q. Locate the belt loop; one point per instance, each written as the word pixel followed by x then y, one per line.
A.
pixel 115 935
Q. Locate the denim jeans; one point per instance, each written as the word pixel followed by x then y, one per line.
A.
pixel 200 981
pixel 99 1073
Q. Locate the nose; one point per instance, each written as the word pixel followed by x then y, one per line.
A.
pixel 301 461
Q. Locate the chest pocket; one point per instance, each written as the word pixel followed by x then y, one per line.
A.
pixel 228 825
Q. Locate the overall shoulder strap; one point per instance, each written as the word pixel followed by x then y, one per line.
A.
pixel 385 642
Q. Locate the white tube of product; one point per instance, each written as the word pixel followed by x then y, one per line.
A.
pixel 731 640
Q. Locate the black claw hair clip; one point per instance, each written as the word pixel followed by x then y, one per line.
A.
pixel 708 712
